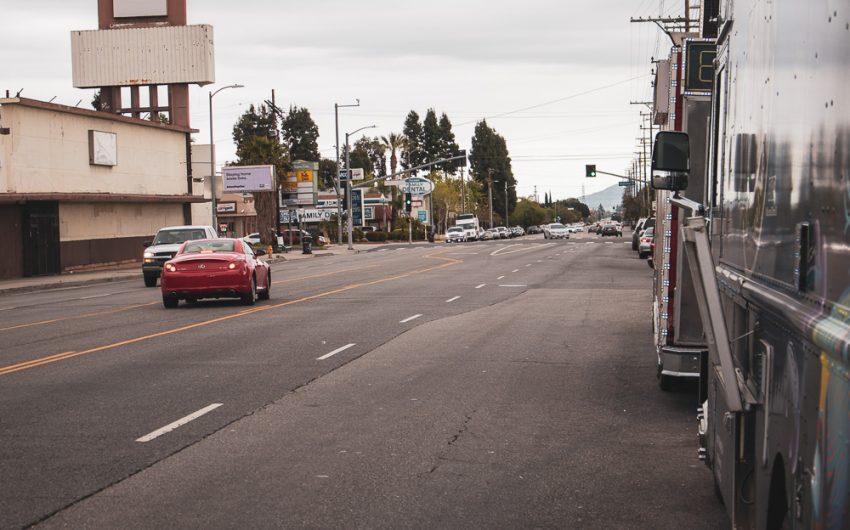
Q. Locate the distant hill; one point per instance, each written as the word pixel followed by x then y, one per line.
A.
pixel 608 198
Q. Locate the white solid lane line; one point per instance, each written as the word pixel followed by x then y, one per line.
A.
pixel 182 421
pixel 338 350
pixel 480 286
pixel 513 285
pixel 450 300
pixel 408 319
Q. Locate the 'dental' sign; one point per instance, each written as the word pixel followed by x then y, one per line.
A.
pixel 417 186
pixel 238 179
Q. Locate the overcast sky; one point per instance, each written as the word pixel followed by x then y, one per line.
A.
pixel 578 64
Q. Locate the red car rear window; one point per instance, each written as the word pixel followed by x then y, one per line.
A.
pixel 211 245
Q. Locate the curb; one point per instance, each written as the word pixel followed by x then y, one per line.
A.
pixel 62 285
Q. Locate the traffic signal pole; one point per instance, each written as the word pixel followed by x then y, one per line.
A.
pixel 626 177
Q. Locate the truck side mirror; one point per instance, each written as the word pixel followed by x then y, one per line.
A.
pixel 671 158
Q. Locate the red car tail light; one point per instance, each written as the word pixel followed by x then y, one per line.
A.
pixel 170 267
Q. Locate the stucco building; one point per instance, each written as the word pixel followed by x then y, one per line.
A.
pixel 80 188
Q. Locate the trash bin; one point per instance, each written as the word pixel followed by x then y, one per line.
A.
pixel 307 245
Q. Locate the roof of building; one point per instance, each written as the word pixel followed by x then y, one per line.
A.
pixel 34 103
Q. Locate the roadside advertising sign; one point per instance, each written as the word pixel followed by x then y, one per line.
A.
pixel 356 174
pixel 305 215
pixel 238 179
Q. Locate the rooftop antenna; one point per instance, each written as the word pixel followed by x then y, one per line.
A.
pixel 19 93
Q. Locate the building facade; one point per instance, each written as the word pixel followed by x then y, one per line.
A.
pixel 81 189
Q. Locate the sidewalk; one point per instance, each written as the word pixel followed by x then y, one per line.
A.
pixel 132 271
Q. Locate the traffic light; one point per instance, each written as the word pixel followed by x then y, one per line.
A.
pixel 462 161
pixel 408 202
pixel 590 170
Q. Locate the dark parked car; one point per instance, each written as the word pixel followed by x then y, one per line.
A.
pixel 533 229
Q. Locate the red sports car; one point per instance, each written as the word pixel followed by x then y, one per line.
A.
pixel 215 268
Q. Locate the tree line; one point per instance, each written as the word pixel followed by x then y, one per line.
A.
pixel 269 136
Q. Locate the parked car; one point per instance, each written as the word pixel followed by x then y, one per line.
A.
pixel 165 245
pixel 555 231
pixel 648 223
pixel 252 239
pixel 646 243
pixel 533 229
pixel 455 234
pixel 215 268
pixel 636 233
pixel 489 234
pixel 517 231
pixel 503 232
pixel 295 234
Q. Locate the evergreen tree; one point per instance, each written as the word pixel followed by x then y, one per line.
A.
pixel 431 137
pixel 448 145
pixel 257 143
pixel 490 162
pixel 301 135
pixel 413 154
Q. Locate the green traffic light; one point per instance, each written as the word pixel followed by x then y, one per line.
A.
pixel 590 170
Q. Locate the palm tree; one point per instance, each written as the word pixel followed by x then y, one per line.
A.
pixel 394 142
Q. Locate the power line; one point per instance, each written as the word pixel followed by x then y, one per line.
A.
pixel 573 96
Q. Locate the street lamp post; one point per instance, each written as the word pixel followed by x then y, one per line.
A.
pixel 348 185
pixel 337 184
pixel 212 159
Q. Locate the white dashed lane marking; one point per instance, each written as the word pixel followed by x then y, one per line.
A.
pixel 338 350
pixel 179 423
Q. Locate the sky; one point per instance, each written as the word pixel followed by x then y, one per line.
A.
pixel 558 79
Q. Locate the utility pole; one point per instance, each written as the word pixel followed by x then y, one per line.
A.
pixel 507 213
pixel 647 143
pixel 462 192
pixel 490 193
pixel 337 106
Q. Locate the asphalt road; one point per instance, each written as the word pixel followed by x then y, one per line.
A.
pixel 499 384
